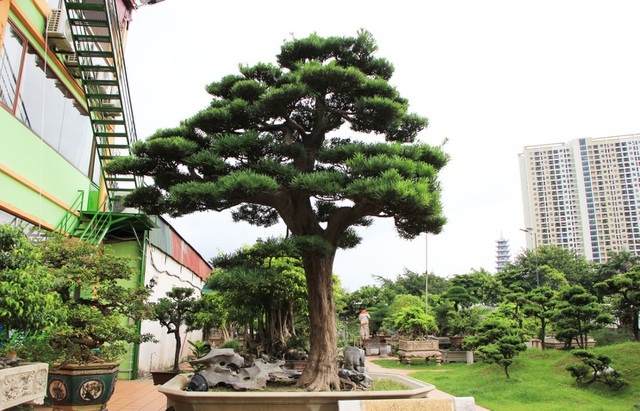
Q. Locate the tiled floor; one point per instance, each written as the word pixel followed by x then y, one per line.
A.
pixel 134 395
pixel 137 395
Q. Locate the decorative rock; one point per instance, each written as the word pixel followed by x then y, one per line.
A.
pixel 224 366
pixel 198 383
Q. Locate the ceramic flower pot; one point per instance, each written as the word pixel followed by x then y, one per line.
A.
pixel 82 387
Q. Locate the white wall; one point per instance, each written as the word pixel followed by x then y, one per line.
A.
pixel 167 273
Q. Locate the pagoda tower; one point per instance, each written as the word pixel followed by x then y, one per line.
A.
pixel 503 255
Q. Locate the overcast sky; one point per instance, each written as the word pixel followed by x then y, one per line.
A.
pixel 491 76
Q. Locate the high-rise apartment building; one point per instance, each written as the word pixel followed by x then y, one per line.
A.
pixel 583 195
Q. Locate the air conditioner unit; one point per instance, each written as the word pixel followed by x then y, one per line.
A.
pixel 71 60
pixel 59 32
pixel 72 64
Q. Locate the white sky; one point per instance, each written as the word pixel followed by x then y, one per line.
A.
pixel 491 76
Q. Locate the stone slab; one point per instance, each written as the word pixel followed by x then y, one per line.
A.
pixel 410 404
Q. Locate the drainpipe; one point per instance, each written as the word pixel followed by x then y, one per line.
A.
pixel 136 347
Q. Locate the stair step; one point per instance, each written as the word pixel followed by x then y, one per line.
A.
pixel 94 53
pixel 103 96
pixel 73 5
pixel 109 134
pixel 120 179
pixel 92 82
pixel 92 38
pixel 101 109
pixel 109 122
pixel 89 22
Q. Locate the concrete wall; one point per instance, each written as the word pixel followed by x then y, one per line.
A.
pixel 167 273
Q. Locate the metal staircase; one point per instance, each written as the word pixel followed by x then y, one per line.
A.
pixel 96 36
pixel 98 62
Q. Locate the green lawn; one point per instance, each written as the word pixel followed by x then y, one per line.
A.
pixel 538 381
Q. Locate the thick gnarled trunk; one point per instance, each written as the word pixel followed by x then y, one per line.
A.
pixel 321 373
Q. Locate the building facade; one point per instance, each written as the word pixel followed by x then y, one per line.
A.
pixel 583 195
pixel 64 113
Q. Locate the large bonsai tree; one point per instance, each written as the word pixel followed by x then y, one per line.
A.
pixel 268 148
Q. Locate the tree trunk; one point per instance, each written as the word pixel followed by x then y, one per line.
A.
pixel 321 373
pixel 176 355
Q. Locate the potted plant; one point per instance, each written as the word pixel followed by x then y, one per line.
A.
pixel 98 311
pixel 414 326
pixel 172 312
pixel 198 350
pixel 26 307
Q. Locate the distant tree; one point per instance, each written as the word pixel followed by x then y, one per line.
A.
pixel 513 307
pixel 366 297
pixel 576 314
pixel 496 341
pixel 481 284
pixel 406 283
pixel 618 262
pixel 515 279
pixel 437 285
pixel 460 297
pixel 266 147
pixel 575 268
pixel 624 289
pixel 540 304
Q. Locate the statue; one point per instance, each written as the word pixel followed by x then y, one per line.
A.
pixel 364 324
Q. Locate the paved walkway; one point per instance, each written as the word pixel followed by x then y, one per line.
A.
pixel 142 395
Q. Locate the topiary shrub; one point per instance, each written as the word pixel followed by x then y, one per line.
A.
pixel 595 368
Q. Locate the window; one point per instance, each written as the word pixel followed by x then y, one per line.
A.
pixel 43 103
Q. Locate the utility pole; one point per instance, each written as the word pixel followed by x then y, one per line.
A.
pixel 426 273
pixel 530 231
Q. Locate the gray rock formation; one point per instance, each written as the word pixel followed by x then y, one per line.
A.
pixel 224 366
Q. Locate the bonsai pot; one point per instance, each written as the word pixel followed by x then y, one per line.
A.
pixel 82 387
pixel 161 377
pixel 283 400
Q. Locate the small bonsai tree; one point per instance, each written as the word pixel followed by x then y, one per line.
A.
pixel 496 341
pixel 408 318
pixel 173 312
pixel 413 323
pixel 595 368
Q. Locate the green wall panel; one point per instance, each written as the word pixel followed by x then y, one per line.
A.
pixel 33 160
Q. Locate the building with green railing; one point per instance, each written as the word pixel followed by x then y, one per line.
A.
pixel 65 112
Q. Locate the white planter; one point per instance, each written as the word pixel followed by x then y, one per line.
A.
pixel 22 384
pixel 283 401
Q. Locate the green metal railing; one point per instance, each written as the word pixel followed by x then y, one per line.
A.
pixel 97 41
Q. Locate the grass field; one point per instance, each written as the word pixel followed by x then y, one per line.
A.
pixel 538 381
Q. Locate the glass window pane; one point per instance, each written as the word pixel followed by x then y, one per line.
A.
pixel 10 65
